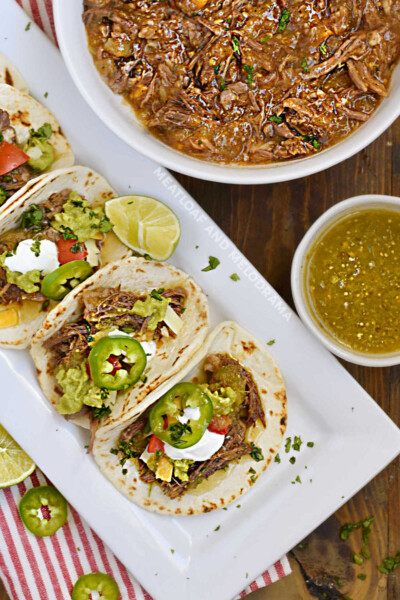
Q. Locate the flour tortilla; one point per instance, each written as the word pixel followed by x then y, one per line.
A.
pixel 140 276
pixel 25 114
pixel 84 181
pixel 10 75
pixel 222 487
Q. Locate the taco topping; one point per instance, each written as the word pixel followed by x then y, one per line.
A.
pixel 46 255
pixel 108 348
pixel 195 430
pixel 21 162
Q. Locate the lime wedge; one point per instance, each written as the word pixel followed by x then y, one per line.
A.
pixel 145 225
pixel 15 464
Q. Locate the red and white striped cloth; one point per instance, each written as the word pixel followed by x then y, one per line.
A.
pixel 34 568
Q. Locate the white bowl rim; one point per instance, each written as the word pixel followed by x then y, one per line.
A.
pixel 328 217
pixel 70 45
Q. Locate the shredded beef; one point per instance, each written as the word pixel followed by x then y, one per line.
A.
pixel 234 448
pixel 103 307
pixel 70 339
pixel 208 78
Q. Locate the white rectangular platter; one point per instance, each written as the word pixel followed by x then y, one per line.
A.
pixel 353 437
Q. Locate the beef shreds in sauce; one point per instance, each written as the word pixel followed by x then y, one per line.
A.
pixel 241 81
pixel 106 307
pixel 14 180
pixel 28 228
pixel 133 439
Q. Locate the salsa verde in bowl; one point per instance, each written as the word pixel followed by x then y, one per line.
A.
pixel 346 280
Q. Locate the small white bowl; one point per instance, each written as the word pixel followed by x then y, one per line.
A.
pixel 297 278
pixel 119 117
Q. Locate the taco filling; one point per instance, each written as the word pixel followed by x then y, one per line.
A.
pixel 55 246
pixel 196 429
pixel 21 162
pixel 108 348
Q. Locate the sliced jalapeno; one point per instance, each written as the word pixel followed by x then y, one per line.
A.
pixel 43 510
pixel 101 583
pixel 172 422
pixel 59 283
pixel 117 362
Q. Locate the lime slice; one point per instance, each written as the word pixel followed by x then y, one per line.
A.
pixel 145 225
pixel 15 464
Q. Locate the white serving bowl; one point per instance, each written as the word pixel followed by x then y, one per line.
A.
pixel 297 278
pixel 119 117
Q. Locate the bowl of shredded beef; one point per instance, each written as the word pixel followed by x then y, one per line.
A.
pixel 241 91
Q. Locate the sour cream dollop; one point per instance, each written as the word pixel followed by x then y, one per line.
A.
pixel 24 259
pixel 189 413
pixel 150 348
pixel 204 449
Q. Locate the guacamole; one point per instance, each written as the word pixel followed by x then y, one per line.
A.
pixel 78 390
pixel 181 468
pixel 151 307
pixel 25 281
pixel 223 399
pixel 79 218
pixel 39 149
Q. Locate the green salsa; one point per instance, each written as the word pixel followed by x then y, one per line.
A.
pixel 352 280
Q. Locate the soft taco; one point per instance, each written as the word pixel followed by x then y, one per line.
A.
pixel 52 238
pixel 126 330
pixel 10 75
pixel 198 444
pixel 31 142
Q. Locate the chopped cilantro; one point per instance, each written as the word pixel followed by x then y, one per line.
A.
pixel 35 248
pixel 390 564
pixel 288 445
pixel 298 479
pixel 46 94
pixel 271 343
pixel 234 277
pixel 77 247
pixel 172 551
pixel 292 460
pixel 277 458
pixel 236 46
pixel 44 305
pixel 310 444
pixel 213 263
pixel 275 119
pixel 217 528
pixel 297 442
pixel 124 471
pixel 256 453
pixel 304 65
pixel 28 26
pixel 249 70
pixel 157 294
pixel 323 49
pixel 3 194
pixel 99 413
pixel 264 39
pixel 362 576
pixel 32 217
pixel 283 20
pixel 358 559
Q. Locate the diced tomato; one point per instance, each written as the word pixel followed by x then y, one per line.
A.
pixel 220 424
pixel 115 363
pixel 88 371
pixel 11 157
pixel 69 250
pixel 155 444
pixel 165 419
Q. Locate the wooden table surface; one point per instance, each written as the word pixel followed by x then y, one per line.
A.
pixel 267 222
